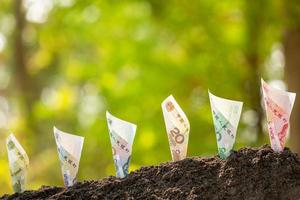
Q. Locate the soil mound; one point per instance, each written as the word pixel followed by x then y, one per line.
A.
pixel 249 173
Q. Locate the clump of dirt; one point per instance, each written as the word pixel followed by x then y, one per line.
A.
pixel 249 173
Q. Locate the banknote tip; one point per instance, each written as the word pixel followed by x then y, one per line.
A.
pixel 54 128
pixel 107 113
pixel 10 135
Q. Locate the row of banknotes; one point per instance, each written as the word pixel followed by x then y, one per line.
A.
pixel 225 113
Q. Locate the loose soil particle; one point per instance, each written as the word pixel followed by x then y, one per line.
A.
pixel 249 173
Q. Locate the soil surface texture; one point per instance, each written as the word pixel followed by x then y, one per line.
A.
pixel 249 173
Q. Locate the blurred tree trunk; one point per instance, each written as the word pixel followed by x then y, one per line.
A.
pixel 23 80
pixel 291 42
pixel 254 27
pixel 21 75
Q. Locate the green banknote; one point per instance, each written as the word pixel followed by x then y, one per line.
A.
pixel 18 163
pixel 226 115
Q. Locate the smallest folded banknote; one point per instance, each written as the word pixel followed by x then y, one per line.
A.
pixel 18 163
pixel 121 134
pixel 69 149
pixel 226 115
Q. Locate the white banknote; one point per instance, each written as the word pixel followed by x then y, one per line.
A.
pixel 69 149
pixel 18 163
pixel 121 134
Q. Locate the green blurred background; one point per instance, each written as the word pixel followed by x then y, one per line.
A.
pixel 65 62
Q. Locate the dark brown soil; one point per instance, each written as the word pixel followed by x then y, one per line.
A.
pixel 250 173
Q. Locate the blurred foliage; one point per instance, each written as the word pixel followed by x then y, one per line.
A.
pixel 86 57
